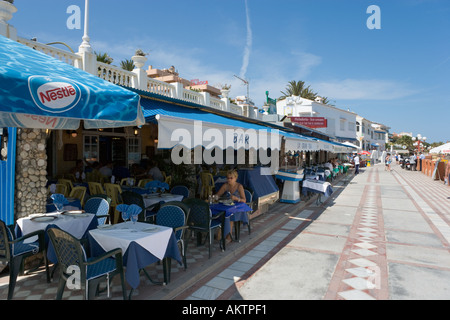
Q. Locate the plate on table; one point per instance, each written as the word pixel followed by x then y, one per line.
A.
pixel 76 213
pixel 227 202
pixel 43 218
pixel 105 227
pixel 150 229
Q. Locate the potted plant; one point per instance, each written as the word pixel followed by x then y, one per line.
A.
pixel 225 90
pixel 139 58
pixel 7 9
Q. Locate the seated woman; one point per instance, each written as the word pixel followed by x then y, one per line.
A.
pixel 235 189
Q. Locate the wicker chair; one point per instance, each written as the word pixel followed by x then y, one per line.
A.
pixel 148 213
pixel 201 220
pixel 14 251
pixel 174 217
pixel 180 190
pixel 92 271
pixel 99 207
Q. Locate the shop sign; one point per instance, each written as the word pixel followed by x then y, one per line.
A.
pixel 311 122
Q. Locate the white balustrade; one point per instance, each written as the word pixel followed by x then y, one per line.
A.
pixel 192 96
pixel 160 87
pixel 217 104
pixel 115 74
pixel 236 109
pixel 62 55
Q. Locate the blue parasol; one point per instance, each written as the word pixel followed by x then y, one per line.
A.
pixel 38 91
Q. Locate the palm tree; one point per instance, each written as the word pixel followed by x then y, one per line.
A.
pixel 294 88
pixel 104 57
pixel 308 93
pixel 297 88
pixel 127 65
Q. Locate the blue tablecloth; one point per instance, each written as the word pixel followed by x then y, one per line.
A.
pixel 135 189
pixel 237 212
pixel 260 184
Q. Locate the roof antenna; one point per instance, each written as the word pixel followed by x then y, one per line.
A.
pixel 248 88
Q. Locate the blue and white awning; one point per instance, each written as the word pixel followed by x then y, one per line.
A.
pixel 38 91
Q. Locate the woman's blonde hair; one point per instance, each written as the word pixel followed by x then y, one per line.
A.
pixel 232 173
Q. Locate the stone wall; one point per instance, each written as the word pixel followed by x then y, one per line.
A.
pixel 31 172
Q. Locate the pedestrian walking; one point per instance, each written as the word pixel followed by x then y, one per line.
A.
pixel 413 162
pixel 421 158
pixel 356 160
pixel 387 162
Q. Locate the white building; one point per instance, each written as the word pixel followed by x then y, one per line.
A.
pixel 337 123
pixel 371 135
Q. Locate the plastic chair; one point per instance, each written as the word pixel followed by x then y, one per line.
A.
pixel 148 213
pixel 61 189
pixel 249 202
pixel 14 251
pixel 70 253
pixel 126 182
pixel 114 192
pixel 207 184
pixel 96 188
pixel 99 207
pixel 143 182
pixel 78 193
pixel 68 183
pixel 174 217
pixel 180 190
pixel 201 220
pixel 168 180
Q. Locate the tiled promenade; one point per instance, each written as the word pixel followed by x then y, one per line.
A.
pixel 382 235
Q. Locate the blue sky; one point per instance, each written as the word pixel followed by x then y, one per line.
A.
pixel 397 75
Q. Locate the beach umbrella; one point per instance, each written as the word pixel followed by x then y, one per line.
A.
pixel 364 153
pixel 41 92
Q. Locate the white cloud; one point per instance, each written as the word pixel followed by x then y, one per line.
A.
pixel 362 89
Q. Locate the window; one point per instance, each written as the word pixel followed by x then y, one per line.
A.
pixel 134 150
pixel 90 148
pixel 358 126
pixel 342 126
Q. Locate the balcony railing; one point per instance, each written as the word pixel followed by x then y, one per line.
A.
pixel 131 79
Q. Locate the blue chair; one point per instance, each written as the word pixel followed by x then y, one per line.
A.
pixel 99 207
pixel 92 271
pixel 180 190
pixel 14 251
pixel 249 202
pixel 201 220
pixel 174 217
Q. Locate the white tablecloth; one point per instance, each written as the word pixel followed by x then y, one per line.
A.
pixel 76 225
pixel 166 197
pixel 122 234
pixel 317 186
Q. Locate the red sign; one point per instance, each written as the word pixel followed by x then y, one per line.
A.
pixel 311 122
pixel 197 82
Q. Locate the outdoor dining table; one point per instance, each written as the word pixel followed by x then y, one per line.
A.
pixel 74 204
pixel 142 244
pixel 152 198
pixel 315 186
pixel 236 212
pixel 75 223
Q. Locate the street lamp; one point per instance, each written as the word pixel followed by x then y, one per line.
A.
pixel 420 140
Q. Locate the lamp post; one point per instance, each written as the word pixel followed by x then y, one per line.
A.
pixel 420 140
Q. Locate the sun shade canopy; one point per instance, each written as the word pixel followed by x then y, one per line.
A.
pixel 38 91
